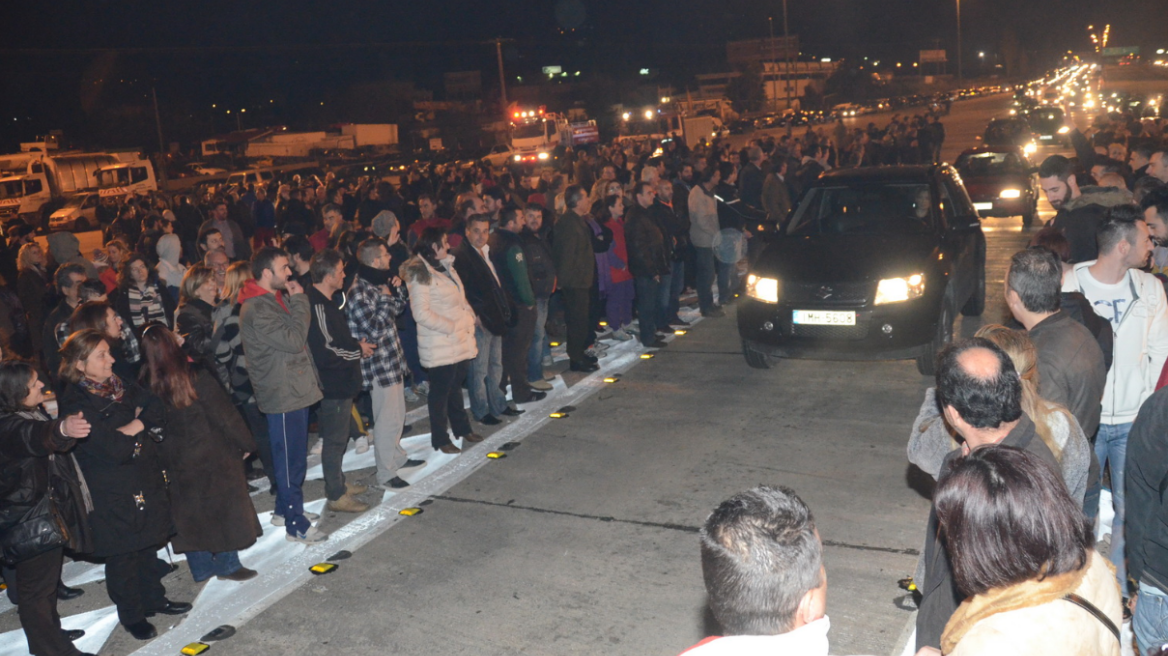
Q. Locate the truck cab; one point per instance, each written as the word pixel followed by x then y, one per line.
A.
pixel 126 178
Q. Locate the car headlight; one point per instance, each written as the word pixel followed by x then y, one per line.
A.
pixel 1064 129
pixel 1030 148
pixel 1010 193
pixel 897 290
pixel 763 289
pixel 543 155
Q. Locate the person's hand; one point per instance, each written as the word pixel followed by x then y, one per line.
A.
pixel 293 288
pixel 367 349
pixel 132 428
pixel 75 427
pixel 395 281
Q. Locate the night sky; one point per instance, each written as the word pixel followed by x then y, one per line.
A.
pixel 291 55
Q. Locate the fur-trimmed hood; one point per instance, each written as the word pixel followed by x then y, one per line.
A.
pixel 1103 196
pixel 1033 613
pixel 418 270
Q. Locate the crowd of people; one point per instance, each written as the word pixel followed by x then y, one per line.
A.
pixel 1026 424
pixel 194 350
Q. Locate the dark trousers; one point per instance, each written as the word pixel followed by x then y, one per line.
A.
pixel 516 344
pixel 36 585
pixel 648 307
pixel 676 286
pixel 445 403
pixel 706 265
pixel 289 435
pixel 577 319
pixel 333 420
pixel 134 583
pixel 259 430
pixel 409 341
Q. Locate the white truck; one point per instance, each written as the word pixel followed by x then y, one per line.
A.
pixel 695 128
pixel 33 183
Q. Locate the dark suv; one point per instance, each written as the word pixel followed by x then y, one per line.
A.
pixel 873 264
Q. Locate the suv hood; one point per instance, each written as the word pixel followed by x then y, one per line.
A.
pixel 847 258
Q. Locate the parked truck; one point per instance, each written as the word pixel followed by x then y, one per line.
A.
pixel 371 135
pixel 33 183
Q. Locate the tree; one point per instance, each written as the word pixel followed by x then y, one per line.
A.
pixel 746 90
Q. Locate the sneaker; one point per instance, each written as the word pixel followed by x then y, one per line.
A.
pixel 716 313
pixel 411 396
pixel 541 385
pixel 362 444
pixel 548 361
pixel 347 504
pixel 596 351
pixel 278 520
pixel 317 448
pixel 621 335
pixel 411 463
pixel 312 536
pixel 422 388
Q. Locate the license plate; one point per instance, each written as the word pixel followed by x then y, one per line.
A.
pixel 823 318
pixel 983 207
pixel 1046 137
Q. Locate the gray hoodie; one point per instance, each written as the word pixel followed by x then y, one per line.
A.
pixel 66 249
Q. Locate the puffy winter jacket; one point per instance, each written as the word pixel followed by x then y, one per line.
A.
pixel 446 322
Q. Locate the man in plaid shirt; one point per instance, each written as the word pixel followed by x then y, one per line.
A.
pixel 377 298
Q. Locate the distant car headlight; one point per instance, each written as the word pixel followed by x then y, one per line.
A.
pixel 897 290
pixel 1030 148
pixel 1010 193
pixel 543 155
pixel 518 158
pixel 1064 129
pixel 763 289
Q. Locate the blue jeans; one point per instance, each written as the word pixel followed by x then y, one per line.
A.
pixel 205 564
pixel 538 342
pixel 289 436
pixel 706 264
pixel 1111 450
pixel 648 307
pixel 486 372
pixel 1150 621
pixel 726 271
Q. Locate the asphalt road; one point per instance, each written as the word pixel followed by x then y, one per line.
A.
pixel 583 540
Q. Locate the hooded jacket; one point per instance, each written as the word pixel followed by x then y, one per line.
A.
pixel 446 322
pixel 1141 344
pixel 1032 617
pixel 170 270
pixel 274 330
pixel 66 249
pixel 1079 218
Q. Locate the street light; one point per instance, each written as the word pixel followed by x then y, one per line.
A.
pixel 960 78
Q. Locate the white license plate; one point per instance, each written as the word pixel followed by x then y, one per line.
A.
pixel 1046 137
pixel 983 207
pixel 823 318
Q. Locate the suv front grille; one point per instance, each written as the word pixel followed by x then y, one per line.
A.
pixel 843 293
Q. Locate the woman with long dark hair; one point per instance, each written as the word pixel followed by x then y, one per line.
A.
pixel 120 461
pixel 446 335
pixel 206 443
pixel 139 297
pixel 1023 555
pixel 35 462
pixel 101 316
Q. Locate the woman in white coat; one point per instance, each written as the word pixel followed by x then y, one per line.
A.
pixel 446 335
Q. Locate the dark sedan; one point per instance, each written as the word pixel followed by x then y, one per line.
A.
pixel 1049 125
pixel 873 264
pixel 1000 181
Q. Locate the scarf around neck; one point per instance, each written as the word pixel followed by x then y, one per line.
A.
pixel 112 389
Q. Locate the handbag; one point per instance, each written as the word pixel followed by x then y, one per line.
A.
pixel 41 529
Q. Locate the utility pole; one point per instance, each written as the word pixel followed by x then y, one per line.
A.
pixel 774 68
pixel 960 78
pixel 787 82
pixel 502 77
pixel 158 122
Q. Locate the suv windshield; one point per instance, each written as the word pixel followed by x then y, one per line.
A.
pixel 977 164
pixel 871 209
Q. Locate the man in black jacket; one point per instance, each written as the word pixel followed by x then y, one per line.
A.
pixel 541 270
pixel 1147 520
pixel 472 261
pixel 1057 177
pixel 511 265
pixel 337 356
pixel 980 393
pixel 648 262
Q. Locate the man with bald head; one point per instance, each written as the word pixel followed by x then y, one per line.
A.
pixel 980 394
